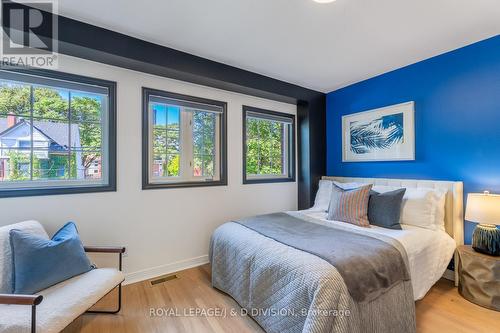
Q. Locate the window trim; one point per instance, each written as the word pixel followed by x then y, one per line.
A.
pixel 292 159
pixel 146 183
pixel 68 188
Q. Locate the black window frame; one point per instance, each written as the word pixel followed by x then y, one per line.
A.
pixel 291 153
pixel 112 132
pixel 146 184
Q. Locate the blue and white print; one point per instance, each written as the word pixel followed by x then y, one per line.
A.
pixel 380 133
pixel 385 134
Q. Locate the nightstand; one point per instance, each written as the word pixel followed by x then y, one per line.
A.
pixel 479 277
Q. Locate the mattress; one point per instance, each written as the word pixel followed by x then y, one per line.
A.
pixel 429 251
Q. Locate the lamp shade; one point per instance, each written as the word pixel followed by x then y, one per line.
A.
pixel 483 208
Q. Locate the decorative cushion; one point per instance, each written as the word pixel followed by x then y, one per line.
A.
pixel 32 227
pixel 384 209
pixel 322 199
pixel 39 263
pixel 350 206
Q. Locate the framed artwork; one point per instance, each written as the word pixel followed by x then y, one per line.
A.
pixel 385 134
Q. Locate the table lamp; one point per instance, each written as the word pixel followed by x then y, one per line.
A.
pixel 484 208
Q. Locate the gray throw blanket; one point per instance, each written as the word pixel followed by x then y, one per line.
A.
pixel 287 290
pixel 368 266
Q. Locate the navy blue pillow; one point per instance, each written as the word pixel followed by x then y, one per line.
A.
pixel 384 209
pixel 39 263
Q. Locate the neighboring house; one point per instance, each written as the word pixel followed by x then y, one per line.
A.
pixel 50 147
pixel 93 171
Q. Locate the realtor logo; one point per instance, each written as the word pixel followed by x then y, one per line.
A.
pixel 29 36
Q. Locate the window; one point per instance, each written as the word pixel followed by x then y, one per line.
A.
pixel 54 128
pixel 184 140
pixel 268 146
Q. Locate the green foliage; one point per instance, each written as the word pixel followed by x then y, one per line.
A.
pixel 42 168
pixel 264 147
pixel 48 103
pixel 17 160
pixel 37 165
pixel 15 99
pixel 88 111
pixel 56 163
pixel 166 147
pixel 204 143
pixel 173 165
pixel 84 108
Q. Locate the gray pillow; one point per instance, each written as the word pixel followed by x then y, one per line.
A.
pixel 384 209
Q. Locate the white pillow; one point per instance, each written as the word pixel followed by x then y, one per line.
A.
pixel 424 207
pixel 322 199
pixel 349 186
pixel 384 188
pixel 440 212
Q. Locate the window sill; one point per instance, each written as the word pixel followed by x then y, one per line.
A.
pixel 155 186
pixel 31 192
pixel 267 180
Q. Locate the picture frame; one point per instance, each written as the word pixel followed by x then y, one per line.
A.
pixel 383 134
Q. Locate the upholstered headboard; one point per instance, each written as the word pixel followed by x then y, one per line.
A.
pixel 454 219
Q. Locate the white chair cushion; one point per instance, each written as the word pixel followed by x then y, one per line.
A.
pixel 62 303
pixel 33 227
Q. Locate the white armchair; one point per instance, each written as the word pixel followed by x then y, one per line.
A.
pixel 54 308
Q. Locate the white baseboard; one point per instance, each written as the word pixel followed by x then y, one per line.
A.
pixel 449 275
pixel 150 273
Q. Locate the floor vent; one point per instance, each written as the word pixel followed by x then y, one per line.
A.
pixel 163 279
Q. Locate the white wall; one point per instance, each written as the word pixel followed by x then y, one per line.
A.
pixel 163 230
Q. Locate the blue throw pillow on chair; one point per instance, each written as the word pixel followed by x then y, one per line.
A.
pixel 39 263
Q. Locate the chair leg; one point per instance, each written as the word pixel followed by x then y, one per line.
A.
pixel 33 319
pixel 112 311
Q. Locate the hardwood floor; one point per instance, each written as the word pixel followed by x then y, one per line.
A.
pixel 442 310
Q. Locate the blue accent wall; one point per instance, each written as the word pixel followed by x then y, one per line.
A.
pixel 457 119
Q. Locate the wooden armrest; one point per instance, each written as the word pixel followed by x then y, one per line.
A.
pixel 20 299
pixel 104 249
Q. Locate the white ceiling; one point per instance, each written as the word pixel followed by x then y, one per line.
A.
pixel 319 46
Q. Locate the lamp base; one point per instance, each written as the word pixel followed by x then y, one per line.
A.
pixel 486 239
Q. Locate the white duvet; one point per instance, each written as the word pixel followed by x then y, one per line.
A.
pixel 429 251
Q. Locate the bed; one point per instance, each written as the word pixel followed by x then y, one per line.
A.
pixel 287 289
